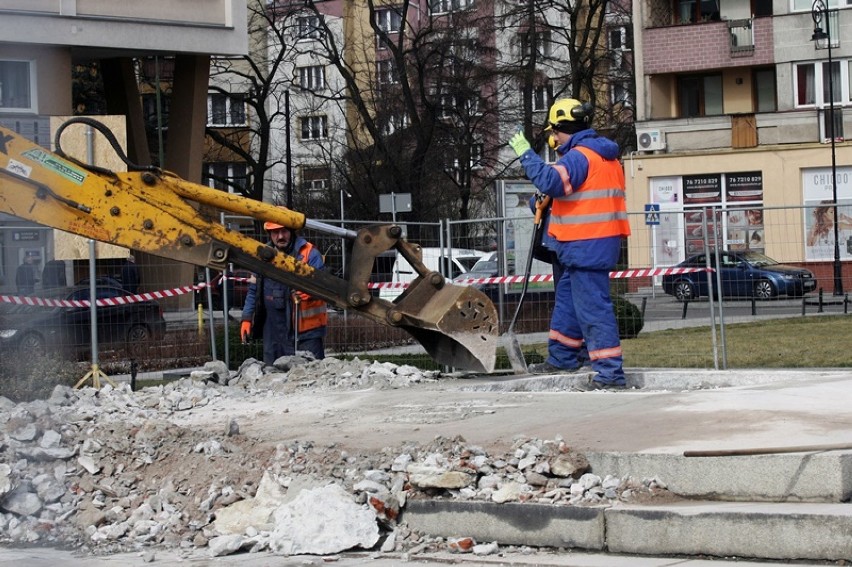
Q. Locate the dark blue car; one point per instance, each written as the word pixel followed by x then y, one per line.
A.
pixel 35 331
pixel 742 274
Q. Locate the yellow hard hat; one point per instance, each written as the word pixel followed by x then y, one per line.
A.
pixel 269 225
pixel 569 115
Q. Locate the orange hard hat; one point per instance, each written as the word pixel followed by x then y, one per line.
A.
pixel 269 225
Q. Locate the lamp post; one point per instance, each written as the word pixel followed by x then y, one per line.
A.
pixel 820 13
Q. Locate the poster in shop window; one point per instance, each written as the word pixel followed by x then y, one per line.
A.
pixel 819 213
pixel 699 189
pixel 746 186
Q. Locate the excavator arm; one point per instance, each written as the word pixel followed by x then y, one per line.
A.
pixel 157 212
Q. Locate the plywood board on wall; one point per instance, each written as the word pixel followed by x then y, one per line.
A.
pixel 75 143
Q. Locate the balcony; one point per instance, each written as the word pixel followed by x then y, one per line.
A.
pixel 710 45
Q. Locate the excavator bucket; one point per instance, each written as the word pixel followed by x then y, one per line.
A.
pixel 457 325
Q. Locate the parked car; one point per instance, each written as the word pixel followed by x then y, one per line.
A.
pixel 238 283
pixel 485 267
pixel 33 330
pixel 742 274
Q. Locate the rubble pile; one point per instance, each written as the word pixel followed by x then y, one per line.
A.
pixel 108 470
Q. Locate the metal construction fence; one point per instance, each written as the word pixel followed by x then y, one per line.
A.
pixel 176 317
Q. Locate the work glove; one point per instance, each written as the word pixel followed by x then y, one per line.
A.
pixel 519 143
pixel 245 331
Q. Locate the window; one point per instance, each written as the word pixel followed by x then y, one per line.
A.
pixel 543 45
pixel 459 105
pixel 389 21
pixel 226 110
pixel 314 127
pixel 620 93
pixel 312 78
pixel 620 41
pixel 446 6
pixel 540 97
pixel 315 181
pixel 812 84
pixel 476 151
pixel 699 95
pixel 149 109
pixel 807 5
pixel 386 72
pixel 309 27
pixel 17 86
pixel 395 123
pixel 765 97
pixel 693 11
pixel 226 176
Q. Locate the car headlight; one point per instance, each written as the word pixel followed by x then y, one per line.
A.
pixel 7 333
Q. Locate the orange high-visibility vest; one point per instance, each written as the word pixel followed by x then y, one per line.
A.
pixel 313 312
pixel 596 209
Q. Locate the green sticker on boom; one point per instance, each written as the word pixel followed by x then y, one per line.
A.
pixel 59 166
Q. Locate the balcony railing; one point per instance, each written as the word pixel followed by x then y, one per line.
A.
pixel 742 36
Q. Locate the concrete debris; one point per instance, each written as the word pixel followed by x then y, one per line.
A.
pixel 108 471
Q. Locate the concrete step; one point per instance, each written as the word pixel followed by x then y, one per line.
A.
pixel 795 477
pixel 774 531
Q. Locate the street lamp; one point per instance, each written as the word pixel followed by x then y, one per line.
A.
pixel 820 12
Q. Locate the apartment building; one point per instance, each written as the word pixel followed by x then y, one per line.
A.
pixel 734 103
pixel 490 35
pixel 41 41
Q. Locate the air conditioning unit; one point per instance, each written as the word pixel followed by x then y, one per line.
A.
pixel 649 140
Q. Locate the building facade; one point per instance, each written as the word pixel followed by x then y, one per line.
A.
pixel 734 111
pixel 44 40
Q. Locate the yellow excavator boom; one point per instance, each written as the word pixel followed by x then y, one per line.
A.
pixel 156 211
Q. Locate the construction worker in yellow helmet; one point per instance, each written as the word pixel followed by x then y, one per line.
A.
pixel 588 221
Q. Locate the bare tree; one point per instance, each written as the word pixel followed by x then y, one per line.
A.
pixel 422 108
pixel 254 81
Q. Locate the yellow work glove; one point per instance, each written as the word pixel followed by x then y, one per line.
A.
pixel 519 143
pixel 245 331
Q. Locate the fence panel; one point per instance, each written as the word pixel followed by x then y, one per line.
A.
pixel 56 272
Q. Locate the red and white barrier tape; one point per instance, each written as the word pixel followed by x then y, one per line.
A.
pixel 639 273
pixel 154 295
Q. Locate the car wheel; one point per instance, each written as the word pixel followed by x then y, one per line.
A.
pixel 138 333
pixel 763 289
pixel 32 344
pixel 683 291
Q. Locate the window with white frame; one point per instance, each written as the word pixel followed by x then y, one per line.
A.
pixel 389 20
pixel 459 105
pixel 395 123
pixel 543 44
pixel 807 5
pixel 386 72
pixel 316 181
pixel 476 150
pixel 312 78
pixel 620 92
pixel 17 86
pixel 447 6
pixel 226 176
pixel 226 110
pixel 812 83
pixel 540 96
pixel 314 127
pixel 620 41
pixel 309 27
